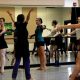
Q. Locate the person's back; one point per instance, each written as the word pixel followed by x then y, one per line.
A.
pixel 21 30
pixel 21 45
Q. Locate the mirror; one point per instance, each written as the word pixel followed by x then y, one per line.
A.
pixel 47 14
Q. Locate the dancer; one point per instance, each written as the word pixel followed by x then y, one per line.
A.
pixel 3 45
pixel 53 45
pixel 40 43
pixel 21 45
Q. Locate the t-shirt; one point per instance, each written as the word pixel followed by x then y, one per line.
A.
pixel 21 30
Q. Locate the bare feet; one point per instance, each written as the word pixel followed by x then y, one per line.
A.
pixel 42 69
pixel 1 71
pixel 32 79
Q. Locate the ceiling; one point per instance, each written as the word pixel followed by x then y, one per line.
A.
pixel 32 2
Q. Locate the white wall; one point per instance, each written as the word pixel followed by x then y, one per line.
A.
pixel 49 14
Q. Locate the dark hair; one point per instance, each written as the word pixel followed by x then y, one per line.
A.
pixel 54 22
pixel 61 30
pixel 3 19
pixel 20 18
pixel 40 19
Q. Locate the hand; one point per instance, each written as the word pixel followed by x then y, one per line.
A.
pixel 44 26
pixel 9 12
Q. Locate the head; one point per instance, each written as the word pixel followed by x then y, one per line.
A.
pixel 54 23
pixel 61 31
pixel 39 21
pixel 2 20
pixel 20 18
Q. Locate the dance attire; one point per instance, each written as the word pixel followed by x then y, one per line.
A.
pixel 3 43
pixel 38 36
pixel 21 49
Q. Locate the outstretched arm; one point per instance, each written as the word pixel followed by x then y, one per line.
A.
pixel 70 26
pixel 28 16
pixel 66 27
pixel 11 16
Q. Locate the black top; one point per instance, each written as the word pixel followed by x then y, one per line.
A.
pixel 21 30
pixel 21 42
pixel 3 43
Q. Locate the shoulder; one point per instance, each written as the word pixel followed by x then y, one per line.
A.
pixel 25 23
pixel 15 23
pixel 41 26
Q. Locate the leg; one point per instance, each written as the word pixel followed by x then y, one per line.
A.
pixel 26 63
pixel 34 48
pixel 42 57
pixel 15 68
pixel 76 68
pixel 64 48
pixel 2 54
pixel 51 50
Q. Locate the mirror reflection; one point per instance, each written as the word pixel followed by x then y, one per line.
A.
pixel 60 42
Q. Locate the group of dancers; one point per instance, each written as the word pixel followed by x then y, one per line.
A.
pixel 21 45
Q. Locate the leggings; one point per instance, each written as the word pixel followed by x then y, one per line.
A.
pixel 26 64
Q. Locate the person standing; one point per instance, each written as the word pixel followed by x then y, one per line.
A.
pixel 40 43
pixel 3 45
pixel 53 45
pixel 21 45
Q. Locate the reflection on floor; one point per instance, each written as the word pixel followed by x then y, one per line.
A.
pixel 35 59
pixel 52 73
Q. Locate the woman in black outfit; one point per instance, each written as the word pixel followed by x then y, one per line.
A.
pixel 21 45
pixel 3 45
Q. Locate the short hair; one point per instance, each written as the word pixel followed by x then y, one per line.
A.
pixel 54 22
pixel 40 19
pixel 3 19
pixel 20 18
pixel 61 30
